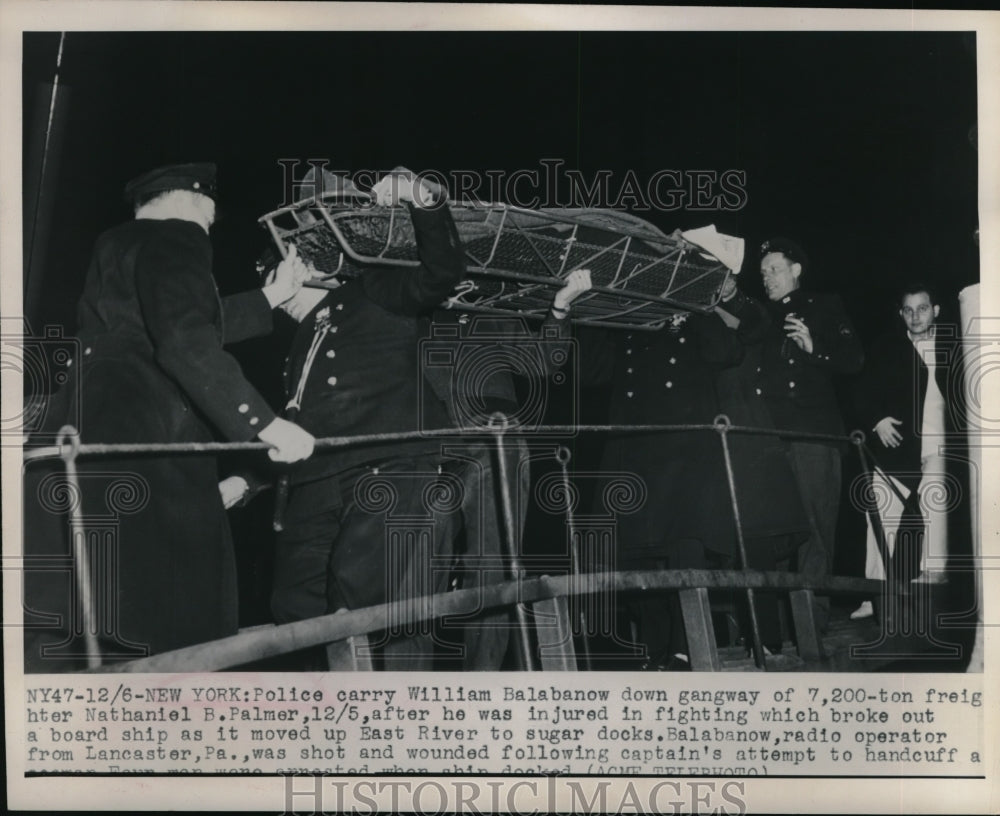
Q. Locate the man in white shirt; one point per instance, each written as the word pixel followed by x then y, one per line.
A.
pixel 903 398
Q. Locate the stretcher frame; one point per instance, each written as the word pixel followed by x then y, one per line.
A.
pixel 516 258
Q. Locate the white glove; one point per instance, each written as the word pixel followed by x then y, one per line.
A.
pixel 289 442
pixel 400 185
pixel 287 278
pixel 577 282
pixel 232 490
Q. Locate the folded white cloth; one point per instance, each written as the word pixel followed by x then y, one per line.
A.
pixel 727 248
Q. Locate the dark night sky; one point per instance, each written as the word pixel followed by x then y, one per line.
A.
pixel 857 144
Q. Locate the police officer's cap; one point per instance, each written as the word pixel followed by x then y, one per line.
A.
pixel 198 177
pixel 788 248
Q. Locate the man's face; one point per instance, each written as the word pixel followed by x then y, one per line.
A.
pixel 918 313
pixel 780 275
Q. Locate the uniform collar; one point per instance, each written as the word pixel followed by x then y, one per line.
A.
pixel 316 315
pixel 337 302
pixel 179 205
pixel 793 298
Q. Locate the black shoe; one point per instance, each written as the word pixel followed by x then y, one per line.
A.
pixel 657 662
pixel 770 649
pixel 667 662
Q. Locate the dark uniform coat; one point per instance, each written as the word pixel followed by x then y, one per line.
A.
pixel 468 365
pixel 364 375
pixel 761 467
pixel 354 369
pixel 151 329
pixel 659 378
pixel 798 387
pixel 469 362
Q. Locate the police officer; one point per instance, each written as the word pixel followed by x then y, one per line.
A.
pixel 811 340
pixel 479 384
pixel 353 369
pixel 151 326
pixel 665 377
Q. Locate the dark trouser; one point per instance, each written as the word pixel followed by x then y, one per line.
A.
pixel 817 470
pixel 366 537
pixel 483 562
pixel 657 615
pixel 161 564
pixel 764 554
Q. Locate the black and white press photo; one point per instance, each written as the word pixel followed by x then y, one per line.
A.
pixel 401 392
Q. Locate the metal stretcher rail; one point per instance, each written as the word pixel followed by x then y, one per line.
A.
pixel 641 276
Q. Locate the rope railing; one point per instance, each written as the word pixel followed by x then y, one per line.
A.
pixel 331 442
pixel 250 646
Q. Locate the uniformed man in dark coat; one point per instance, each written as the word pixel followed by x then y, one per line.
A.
pixel 666 377
pixel 811 340
pixel 772 530
pixel 151 327
pixel 476 382
pixel 353 369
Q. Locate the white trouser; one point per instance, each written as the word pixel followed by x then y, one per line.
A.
pixel 933 500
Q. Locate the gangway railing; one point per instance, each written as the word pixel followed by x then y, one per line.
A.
pixel 547 595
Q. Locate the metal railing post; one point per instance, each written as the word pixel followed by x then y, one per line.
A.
pixel 517 592
pixel 722 426
pixel 500 423
pixel 858 440
pixel 69 442
pixel 562 457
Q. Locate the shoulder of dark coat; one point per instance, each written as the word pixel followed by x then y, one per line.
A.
pixel 895 338
pixel 830 300
pixel 149 229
